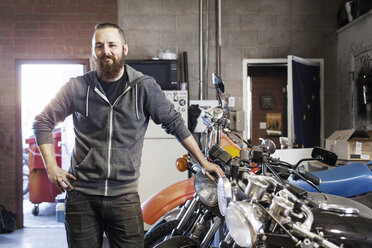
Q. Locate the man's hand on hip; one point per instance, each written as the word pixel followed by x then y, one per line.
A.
pixel 59 177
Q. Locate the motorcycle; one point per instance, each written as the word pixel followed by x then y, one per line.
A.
pixel 164 205
pixel 353 180
pixel 275 213
pixel 323 206
pixel 199 218
pixel 174 206
pixel 348 180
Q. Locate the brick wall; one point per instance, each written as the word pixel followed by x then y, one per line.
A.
pixel 37 29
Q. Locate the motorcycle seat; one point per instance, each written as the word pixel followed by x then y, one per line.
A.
pixel 348 180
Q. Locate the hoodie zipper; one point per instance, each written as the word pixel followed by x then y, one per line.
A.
pixel 110 140
pixel 110 133
pixel 109 151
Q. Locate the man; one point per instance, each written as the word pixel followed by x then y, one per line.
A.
pixel 111 108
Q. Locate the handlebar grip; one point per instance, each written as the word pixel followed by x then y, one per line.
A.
pixel 311 177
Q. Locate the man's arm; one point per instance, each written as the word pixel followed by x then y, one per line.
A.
pixel 56 111
pixel 192 146
pixel 162 111
pixel 56 175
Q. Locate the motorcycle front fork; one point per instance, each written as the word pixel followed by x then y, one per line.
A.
pixel 185 214
pixel 199 229
pixel 227 242
pixel 211 232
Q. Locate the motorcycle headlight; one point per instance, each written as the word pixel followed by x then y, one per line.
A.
pixel 242 220
pixel 206 189
pixel 224 193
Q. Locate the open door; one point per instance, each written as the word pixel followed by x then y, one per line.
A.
pixel 305 98
pixel 292 64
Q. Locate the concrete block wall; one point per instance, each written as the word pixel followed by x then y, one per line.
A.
pixel 152 26
pixel 250 29
pixel 42 29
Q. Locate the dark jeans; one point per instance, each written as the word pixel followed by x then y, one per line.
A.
pixel 88 216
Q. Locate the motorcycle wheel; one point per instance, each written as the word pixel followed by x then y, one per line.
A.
pixel 155 235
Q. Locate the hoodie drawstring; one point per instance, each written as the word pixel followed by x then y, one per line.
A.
pixel 137 102
pixel 86 104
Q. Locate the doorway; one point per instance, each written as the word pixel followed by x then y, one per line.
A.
pixel 269 103
pixel 264 101
pixel 39 81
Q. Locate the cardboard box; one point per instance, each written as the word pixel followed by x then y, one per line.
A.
pixel 351 144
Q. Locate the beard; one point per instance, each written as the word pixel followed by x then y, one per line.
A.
pixel 108 71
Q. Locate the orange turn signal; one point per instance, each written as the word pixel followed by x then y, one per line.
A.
pixel 186 156
pixel 181 163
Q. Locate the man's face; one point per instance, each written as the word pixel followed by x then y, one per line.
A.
pixel 109 52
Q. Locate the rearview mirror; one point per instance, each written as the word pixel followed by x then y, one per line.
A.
pixel 324 156
pixel 269 144
pixel 218 83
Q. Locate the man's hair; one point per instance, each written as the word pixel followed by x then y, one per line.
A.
pixel 111 25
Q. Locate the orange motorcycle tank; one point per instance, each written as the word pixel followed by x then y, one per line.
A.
pixel 228 145
pixel 167 199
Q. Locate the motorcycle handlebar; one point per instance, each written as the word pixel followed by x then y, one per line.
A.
pixel 310 176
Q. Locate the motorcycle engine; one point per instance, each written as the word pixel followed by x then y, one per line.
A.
pixel 281 208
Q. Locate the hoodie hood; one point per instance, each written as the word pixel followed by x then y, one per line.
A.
pixel 134 77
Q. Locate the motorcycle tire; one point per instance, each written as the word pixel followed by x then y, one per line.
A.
pixel 157 234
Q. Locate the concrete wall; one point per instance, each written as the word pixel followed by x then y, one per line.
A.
pixel 354 43
pixel 250 29
pixel 37 29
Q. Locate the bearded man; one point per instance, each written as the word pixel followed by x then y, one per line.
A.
pixel 111 108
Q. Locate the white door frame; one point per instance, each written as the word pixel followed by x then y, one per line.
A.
pixel 247 93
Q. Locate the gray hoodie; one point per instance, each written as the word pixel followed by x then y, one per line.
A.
pixel 108 138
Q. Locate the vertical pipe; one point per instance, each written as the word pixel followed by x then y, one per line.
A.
pixel 206 50
pixel 201 85
pixel 185 68
pixel 218 37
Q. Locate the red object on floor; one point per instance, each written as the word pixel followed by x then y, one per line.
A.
pixel 41 189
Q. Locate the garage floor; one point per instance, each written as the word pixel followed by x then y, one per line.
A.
pixel 35 237
pixel 39 231
pixel 42 230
